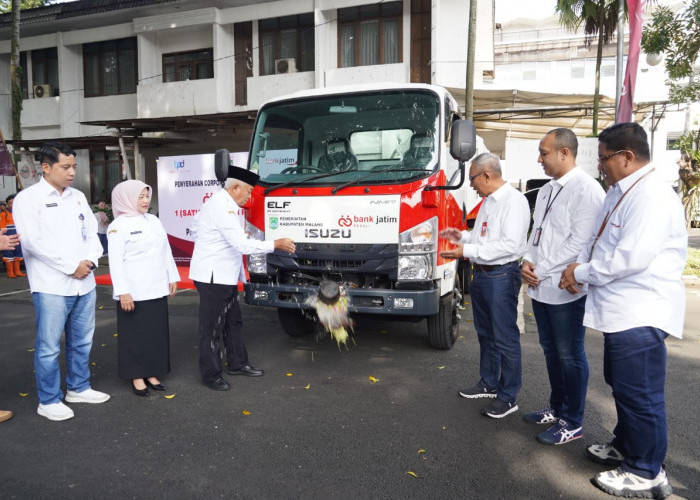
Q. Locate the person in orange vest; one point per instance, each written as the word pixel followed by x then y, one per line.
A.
pixel 11 258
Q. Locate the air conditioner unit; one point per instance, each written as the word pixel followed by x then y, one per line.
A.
pixel 285 66
pixel 44 90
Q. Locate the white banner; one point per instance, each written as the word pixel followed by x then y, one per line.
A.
pixel 184 184
pixel 333 219
pixel 29 170
pixel 522 155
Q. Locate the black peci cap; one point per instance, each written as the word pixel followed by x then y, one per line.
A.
pixel 242 174
pixel 224 169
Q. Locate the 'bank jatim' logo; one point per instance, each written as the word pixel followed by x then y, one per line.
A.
pixel 178 164
pixel 274 223
pixel 345 221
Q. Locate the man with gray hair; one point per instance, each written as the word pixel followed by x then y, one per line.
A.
pixel 494 246
pixel 216 268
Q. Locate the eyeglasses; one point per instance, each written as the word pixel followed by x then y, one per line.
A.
pixel 472 177
pixel 604 158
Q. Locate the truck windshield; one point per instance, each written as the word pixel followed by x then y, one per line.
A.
pixel 392 133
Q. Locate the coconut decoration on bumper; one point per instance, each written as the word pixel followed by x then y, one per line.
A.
pixel 331 306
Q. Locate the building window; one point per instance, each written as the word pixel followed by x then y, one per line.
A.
pixel 45 68
pixel 44 64
pixel 578 70
pixel 370 34
pixel 673 141
pixel 290 37
pixel 110 67
pixel 183 66
pixel 607 70
pixel 106 172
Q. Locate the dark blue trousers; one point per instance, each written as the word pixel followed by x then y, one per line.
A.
pixel 495 306
pixel 635 368
pixel 562 335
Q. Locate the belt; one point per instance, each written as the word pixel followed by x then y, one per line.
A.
pixel 485 267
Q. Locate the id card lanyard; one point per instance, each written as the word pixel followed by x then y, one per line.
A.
pixel 550 202
pixel 607 217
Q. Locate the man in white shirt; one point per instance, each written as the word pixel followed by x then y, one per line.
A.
pixel 61 249
pixel 633 267
pixel 495 246
pixel 216 268
pixel 565 213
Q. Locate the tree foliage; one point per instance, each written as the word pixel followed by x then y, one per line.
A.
pixel 599 21
pixel 677 37
pixel 6 5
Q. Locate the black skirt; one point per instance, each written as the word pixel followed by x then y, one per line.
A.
pixel 143 339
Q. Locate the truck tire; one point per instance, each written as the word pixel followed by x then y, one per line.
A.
pixel 444 326
pixel 294 322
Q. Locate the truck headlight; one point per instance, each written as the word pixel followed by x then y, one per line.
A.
pixel 415 267
pixel 418 251
pixel 257 262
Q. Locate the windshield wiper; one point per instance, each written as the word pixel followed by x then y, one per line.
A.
pixel 302 181
pixel 389 170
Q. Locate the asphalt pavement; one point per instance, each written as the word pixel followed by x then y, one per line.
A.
pixel 381 419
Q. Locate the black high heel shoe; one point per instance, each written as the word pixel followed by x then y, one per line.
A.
pixel 155 387
pixel 139 392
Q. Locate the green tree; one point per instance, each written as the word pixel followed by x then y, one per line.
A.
pixel 677 37
pixel 16 74
pixel 599 21
pixel 6 5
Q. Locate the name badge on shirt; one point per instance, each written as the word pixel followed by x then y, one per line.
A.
pixel 83 228
pixel 536 238
pixel 135 232
pixel 51 205
pixel 483 228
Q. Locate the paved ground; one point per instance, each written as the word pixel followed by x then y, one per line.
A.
pixel 318 427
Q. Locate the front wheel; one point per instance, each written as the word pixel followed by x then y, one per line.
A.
pixel 444 326
pixel 295 323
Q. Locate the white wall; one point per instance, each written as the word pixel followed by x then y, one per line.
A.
pixel 450 41
pixel 264 88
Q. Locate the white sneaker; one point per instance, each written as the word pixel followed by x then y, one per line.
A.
pixel 55 411
pixel 605 454
pixel 621 483
pixel 87 396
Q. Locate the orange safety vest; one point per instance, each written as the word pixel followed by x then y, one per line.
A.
pixel 6 219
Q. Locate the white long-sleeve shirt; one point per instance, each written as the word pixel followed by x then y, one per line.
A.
pixel 634 275
pixel 140 260
pixel 500 231
pixel 221 242
pixel 58 231
pixel 575 201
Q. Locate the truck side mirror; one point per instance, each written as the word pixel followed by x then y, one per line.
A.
pixel 463 141
pixel 222 160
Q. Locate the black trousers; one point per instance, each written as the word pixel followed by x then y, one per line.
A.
pixel 219 319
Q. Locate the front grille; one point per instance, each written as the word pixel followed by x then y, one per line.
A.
pixel 329 264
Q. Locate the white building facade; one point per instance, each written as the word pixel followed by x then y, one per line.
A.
pixel 140 63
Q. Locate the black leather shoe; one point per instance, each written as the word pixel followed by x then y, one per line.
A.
pixel 155 387
pixel 218 385
pixel 247 370
pixel 139 392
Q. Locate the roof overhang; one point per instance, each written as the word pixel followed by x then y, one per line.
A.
pixel 523 114
pixel 150 132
